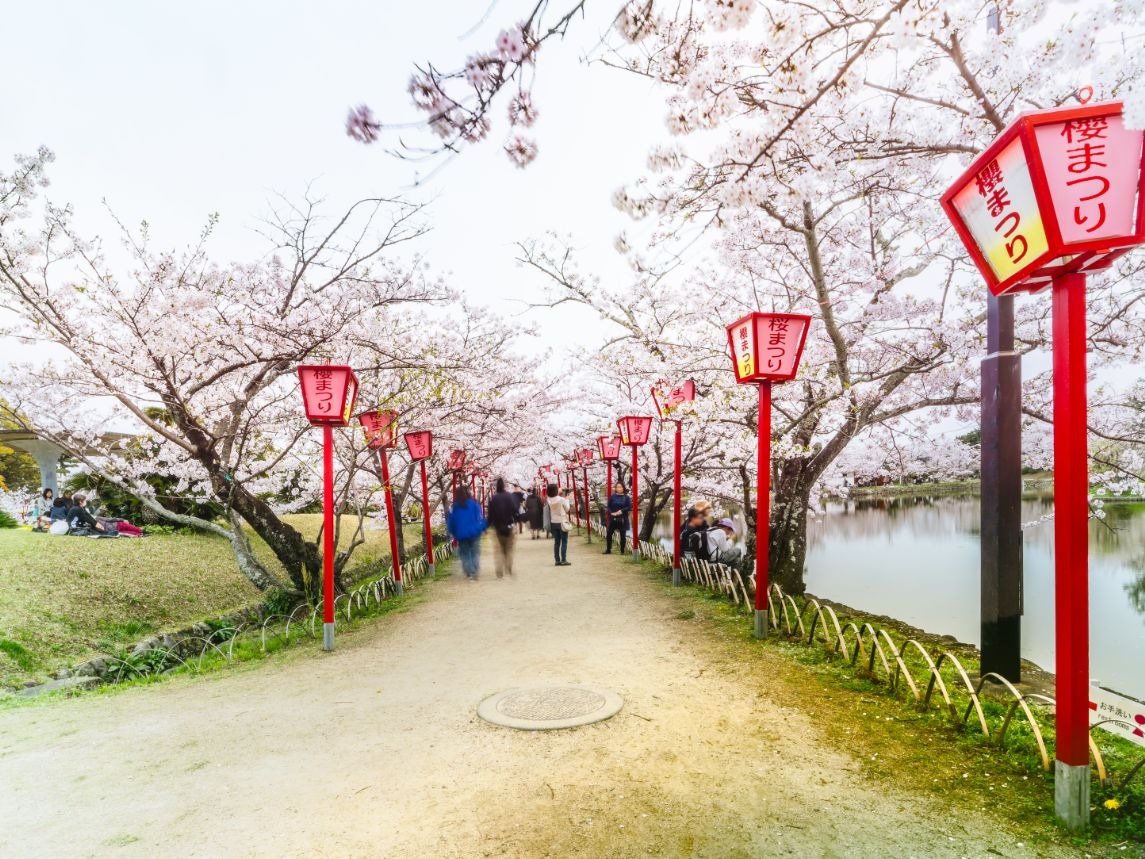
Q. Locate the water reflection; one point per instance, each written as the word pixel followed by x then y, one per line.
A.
pixel 916 558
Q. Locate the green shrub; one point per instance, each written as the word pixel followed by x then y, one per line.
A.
pixel 6 520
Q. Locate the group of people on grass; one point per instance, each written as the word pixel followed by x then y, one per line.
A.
pixel 70 514
pixel 507 511
pixel 703 540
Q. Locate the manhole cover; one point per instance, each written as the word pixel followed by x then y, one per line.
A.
pixel 546 708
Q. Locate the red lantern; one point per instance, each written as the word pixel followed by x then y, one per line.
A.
pixel 766 347
pixel 584 456
pixel 1058 191
pixel 634 430
pixel 669 400
pixel 668 405
pixel 456 461
pixel 381 428
pixel 419 444
pixel 381 434
pixel 609 447
pixel 420 447
pixel 328 393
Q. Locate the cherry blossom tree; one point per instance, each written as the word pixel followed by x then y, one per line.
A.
pixel 193 361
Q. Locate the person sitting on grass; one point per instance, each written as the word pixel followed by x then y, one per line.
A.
pixel 80 518
pixel 44 511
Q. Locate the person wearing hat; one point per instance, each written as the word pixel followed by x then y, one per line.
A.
pixel 721 542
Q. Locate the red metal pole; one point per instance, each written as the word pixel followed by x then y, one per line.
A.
pixel 635 506
pixel 576 497
pixel 388 494
pixel 473 485
pixel 608 491
pixel 763 510
pixel 453 487
pixel 425 516
pixel 327 538
pixel 587 512
pixel 676 503
pixel 1071 551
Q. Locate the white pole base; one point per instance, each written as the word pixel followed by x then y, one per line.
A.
pixel 1071 795
pixel 399 588
pixel 636 554
pixel 327 636
pixel 761 623
pixel 432 570
pixel 675 577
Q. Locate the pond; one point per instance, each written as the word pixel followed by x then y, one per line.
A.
pixel 917 559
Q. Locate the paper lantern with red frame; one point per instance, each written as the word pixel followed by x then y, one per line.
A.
pixel 669 406
pixel 328 393
pixel 456 461
pixel 669 400
pixel 419 444
pixel 766 347
pixel 1058 191
pixel 609 447
pixel 381 428
pixel 634 430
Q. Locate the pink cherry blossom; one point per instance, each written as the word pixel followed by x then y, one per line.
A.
pixel 361 124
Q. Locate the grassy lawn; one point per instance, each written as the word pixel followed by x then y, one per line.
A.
pixel 65 599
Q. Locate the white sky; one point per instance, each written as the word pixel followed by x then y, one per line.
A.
pixel 173 111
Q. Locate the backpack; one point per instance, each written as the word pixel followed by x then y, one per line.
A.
pixel 694 542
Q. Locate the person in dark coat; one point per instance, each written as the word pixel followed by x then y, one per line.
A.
pixel 502 516
pixel 535 513
pixel 619 509
pixel 519 497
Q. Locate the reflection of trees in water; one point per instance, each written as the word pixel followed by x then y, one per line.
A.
pixel 955 517
pixel 1136 588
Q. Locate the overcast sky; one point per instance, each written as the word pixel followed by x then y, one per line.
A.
pixel 174 111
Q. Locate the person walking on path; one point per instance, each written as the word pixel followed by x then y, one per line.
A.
pixel 558 508
pixel 546 518
pixel 466 524
pixel 619 509
pixel 502 517
pixel 519 497
pixel 535 512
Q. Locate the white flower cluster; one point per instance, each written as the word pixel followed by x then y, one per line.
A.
pixel 521 150
pixel 637 21
pixel 730 14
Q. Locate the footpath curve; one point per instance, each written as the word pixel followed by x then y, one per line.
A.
pixel 376 749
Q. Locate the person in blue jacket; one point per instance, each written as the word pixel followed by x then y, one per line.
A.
pixel 466 524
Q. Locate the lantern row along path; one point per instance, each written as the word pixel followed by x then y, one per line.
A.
pixel 376 749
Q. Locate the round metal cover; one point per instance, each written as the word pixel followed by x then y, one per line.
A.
pixel 547 708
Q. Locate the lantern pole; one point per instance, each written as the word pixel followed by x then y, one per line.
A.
pixel 388 494
pixel 763 510
pixel 676 502
pixel 587 514
pixel 607 491
pixel 327 537
pixel 425 516
pixel 635 506
pixel 453 486
pixel 1071 552
pixel 576 497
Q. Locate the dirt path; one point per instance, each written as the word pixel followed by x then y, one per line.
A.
pixel 376 750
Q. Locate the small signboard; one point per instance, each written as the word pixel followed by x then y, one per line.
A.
pixel 1117 714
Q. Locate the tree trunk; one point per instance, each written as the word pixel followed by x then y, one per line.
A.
pixel 787 544
pixel 652 510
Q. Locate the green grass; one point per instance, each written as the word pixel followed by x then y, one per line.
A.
pixel 66 599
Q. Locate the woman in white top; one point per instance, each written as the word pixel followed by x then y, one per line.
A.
pixel 558 507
